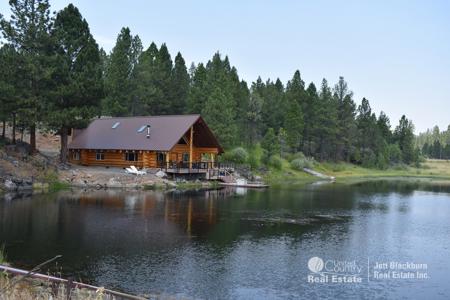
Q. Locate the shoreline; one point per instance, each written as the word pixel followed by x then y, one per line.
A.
pixel 166 185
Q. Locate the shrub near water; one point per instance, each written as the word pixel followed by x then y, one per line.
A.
pixel 238 155
pixel 276 162
pixel 300 161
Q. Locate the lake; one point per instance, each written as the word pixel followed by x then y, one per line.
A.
pixel 384 239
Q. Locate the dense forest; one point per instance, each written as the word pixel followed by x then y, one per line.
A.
pixel 55 76
pixel 434 143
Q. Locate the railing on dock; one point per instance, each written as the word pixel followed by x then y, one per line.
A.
pixel 196 167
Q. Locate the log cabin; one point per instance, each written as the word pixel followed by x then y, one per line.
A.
pixel 177 144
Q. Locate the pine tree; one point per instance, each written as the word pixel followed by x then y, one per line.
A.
pixel 370 143
pixel 384 126
pixel 180 86
pixel 254 117
pixel 404 136
pixel 79 79
pixel 271 143
pixel 346 129
pixel 294 122
pixel 146 92
pixel 28 31
pixel 119 74
pixel 294 125
pixel 310 114
pixel 218 113
pixel 163 104
pixel 8 83
pixel 198 91
pixel 326 127
pixel 274 106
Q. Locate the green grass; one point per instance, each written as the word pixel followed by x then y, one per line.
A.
pixel 50 178
pixel 347 173
pixel 286 176
pixel 435 169
pixel 58 186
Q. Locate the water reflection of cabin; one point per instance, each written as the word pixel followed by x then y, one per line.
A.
pixel 176 144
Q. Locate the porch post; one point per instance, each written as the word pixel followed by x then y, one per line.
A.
pixel 212 160
pixel 191 142
pixel 167 160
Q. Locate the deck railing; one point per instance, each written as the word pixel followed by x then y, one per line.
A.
pixel 196 165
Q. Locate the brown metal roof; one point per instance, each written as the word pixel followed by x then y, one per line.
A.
pixel 165 132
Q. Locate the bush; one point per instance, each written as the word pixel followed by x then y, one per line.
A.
pixel 238 155
pixel 368 158
pixel 294 156
pixel 276 162
pixel 394 154
pixel 255 157
pixel 300 163
pixel 382 162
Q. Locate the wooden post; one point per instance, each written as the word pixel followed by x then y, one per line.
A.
pixel 191 142
pixel 212 160
pixel 167 160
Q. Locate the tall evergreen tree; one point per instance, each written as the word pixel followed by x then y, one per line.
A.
pixel 404 136
pixel 254 117
pixel 163 104
pixel 271 143
pixel 146 92
pixel 198 90
pixel 274 106
pixel 9 78
pixel 180 86
pixel 384 126
pixel 370 142
pixel 28 31
pixel 326 128
pixel 219 114
pixel 79 85
pixel 294 121
pixel 119 74
pixel 346 132
pixel 310 114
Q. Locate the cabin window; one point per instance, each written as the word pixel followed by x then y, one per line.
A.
pixel 185 157
pixel 131 156
pixel 76 155
pixel 160 157
pixel 99 155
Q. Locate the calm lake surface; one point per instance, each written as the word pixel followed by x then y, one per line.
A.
pixel 237 243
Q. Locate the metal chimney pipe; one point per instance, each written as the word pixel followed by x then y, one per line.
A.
pixel 148 131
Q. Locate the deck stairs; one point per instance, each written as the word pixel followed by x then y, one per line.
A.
pixel 223 175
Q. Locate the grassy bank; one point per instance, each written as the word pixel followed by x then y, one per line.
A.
pixel 285 175
pixel 346 172
pixel 434 169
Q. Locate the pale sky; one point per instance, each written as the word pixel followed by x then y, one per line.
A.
pixel 395 53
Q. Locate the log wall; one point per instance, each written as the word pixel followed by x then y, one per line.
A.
pixel 147 159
